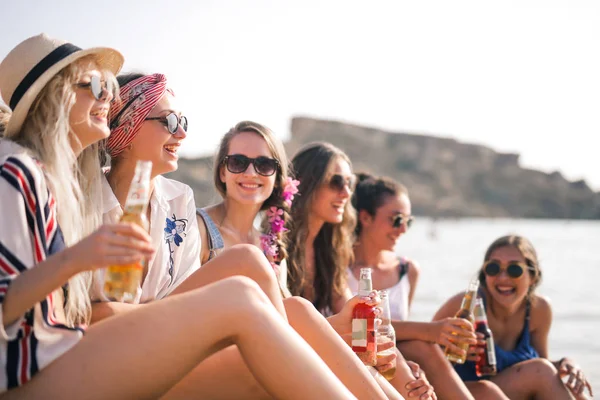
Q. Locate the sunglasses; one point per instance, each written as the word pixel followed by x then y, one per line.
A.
pixel 513 269
pixel 97 86
pixel 400 219
pixel 339 182
pixel 172 122
pixel 238 163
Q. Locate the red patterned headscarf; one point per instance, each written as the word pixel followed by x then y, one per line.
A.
pixel 126 116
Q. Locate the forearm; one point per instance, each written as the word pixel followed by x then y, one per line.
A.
pixel 412 330
pixel 103 310
pixel 33 285
pixel 403 375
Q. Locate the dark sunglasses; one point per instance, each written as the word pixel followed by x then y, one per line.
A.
pixel 339 182
pixel 172 122
pixel 238 163
pixel 97 86
pixel 513 269
pixel 400 219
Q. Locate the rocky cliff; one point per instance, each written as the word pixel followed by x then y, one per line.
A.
pixel 444 177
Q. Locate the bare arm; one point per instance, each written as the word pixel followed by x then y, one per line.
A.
pixel 414 330
pixel 449 308
pixel 541 321
pixel 341 300
pixel 414 271
pixel 111 244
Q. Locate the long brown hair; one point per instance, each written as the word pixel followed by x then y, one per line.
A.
pixel 528 252
pixel 278 153
pixel 333 243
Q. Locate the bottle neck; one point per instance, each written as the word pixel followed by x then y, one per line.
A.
pixel 365 286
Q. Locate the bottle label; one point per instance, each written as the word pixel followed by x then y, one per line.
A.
pixel 359 332
pixel 491 351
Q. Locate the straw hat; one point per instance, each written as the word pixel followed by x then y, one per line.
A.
pixel 29 67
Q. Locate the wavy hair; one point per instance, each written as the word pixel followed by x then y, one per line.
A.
pixel 73 180
pixel 371 192
pixel 525 247
pixel 333 243
pixel 278 153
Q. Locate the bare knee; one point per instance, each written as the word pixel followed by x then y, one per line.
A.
pixel 538 368
pixel 239 293
pixel 253 263
pixel 297 307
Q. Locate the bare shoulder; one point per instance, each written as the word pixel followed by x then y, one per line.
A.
pixel 541 312
pixel 450 307
pixel 414 269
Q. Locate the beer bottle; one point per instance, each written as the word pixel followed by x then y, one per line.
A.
pixel 364 342
pixel 122 282
pixel 465 312
pixel 487 360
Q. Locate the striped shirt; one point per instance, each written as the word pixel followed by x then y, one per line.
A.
pixel 29 234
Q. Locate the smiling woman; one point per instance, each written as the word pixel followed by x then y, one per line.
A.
pixel 147 125
pixel 520 322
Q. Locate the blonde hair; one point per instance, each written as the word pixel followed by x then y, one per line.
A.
pixel 278 153
pixel 4 117
pixel 73 180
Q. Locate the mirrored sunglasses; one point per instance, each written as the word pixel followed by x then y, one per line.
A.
pixel 172 122
pixel 238 163
pixel 97 86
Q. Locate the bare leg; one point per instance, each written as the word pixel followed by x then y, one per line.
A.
pixel 245 260
pixel 315 329
pixel 222 376
pixel 532 379
pixel 486 390
pixel 143 353
pixel 440 373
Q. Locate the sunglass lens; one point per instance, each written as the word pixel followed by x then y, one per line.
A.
pixel 265 166
pixel 514 270
pixel 184 123
pixel 337 182
pixel 492 269
pixel 237 164
pixel 96 86
pixel 172 123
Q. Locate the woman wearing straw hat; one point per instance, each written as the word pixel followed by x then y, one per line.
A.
pixel 59 96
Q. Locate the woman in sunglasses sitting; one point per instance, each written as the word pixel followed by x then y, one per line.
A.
pixel 145 125
pixel 520 322
pixel 251 175
pixel 384 215
pixel 321 233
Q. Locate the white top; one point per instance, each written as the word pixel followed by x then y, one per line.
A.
pixel 174 232
pixel 29 234
pixel 397 295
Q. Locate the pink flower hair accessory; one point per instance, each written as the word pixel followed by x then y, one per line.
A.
pixel 268 241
